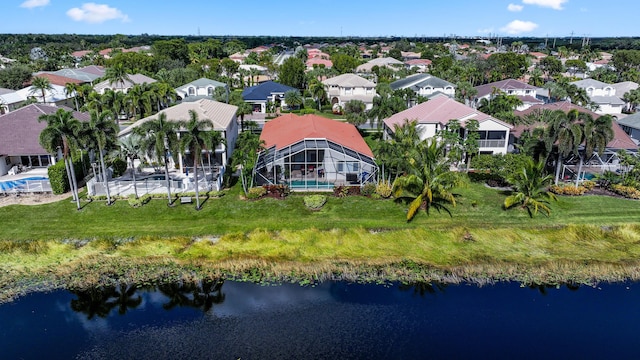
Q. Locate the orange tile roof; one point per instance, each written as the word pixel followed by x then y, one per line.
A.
pixel 289 129
pixel 59 80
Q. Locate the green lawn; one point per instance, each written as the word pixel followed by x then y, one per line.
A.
pixel 586 239
pixel 478 207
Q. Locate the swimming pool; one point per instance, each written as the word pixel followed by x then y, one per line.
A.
pixel 310 184
pixel 12 184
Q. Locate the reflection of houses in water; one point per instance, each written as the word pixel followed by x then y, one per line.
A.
pixel 313 152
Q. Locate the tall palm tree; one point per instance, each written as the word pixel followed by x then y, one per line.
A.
pixel 161 139
pixel 131 149
pixel 429 182
pixel 530 186
pixel 117 75
pixel 70 91
pixel 61 133
pixel 100 134
pixel 198 135
pixel 564 131
pixel 596 135
pixel 41 85
pixel 293 99
pixel 317 90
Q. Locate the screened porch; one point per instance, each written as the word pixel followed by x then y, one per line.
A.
pixel 314 164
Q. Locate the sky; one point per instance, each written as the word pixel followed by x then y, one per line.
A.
pixel 431 18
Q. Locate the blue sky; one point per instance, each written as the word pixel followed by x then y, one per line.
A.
pixel 555 18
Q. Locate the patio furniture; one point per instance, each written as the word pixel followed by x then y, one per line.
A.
pixel 186 200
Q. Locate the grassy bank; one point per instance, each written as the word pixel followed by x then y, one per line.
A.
pixel 586 239
pixel 575 253
pixel 478 207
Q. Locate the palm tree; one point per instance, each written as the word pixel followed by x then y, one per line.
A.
pixel 596 135
pixel 41 85
pixel 244 108
pixel 70 91
pixel 61 133
pixel 117 75
pixel 429 182
pixel 317 90
pixel 563 131
pixel 198 135
pixel 162 140
pixel 131 149
pixel 530 189
pixel 124 298
pixel 100 134
pixel 293 99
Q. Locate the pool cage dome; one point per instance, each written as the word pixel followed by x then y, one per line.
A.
pixel 314 164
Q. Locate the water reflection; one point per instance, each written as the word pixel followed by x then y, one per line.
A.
pixel 215 319
pixel 422 288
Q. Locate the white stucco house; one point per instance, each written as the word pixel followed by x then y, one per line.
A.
pixel 432 117
pixel 198 89
pixel 425 85
pixel 528 94
pixel 343 88
pixel 602 94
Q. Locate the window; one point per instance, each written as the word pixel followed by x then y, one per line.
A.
pixel 209 91
pixel 192 91
pixel 348 166
pixel 348 90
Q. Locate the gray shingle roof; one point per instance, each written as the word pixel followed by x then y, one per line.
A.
pixel 632 121
pixel 418 81
pixel 612 100
pixel 263 91
pixel 202 82
pixel 590 83
pixel 504 85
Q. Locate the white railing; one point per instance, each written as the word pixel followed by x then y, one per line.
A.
pixel 27 186
pixel 491 143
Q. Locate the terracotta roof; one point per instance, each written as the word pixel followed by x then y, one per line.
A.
pixel 319 61
pixel 426 62
pixel 80 53
pixel 439 110
pixel 20 129
pixel 58 80
pixel 620 139
pixel 290 128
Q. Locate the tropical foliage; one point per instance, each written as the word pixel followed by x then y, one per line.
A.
pixel 530 189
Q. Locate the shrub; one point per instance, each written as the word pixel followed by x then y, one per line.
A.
pixel 496 167
pixel 384 189
pixel 368 189
pixel 314 202
pixel 589 185
pixel 256 192
pixel 277 191
pixel 626 191
pixel 341 191
pixel 58 178
pixel 136 203
pixel 568 190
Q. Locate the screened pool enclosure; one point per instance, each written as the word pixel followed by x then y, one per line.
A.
pixel 314 164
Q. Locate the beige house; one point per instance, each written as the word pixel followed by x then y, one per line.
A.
pixel 135 79
pixel 343 88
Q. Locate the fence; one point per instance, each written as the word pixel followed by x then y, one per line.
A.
pixel 25 186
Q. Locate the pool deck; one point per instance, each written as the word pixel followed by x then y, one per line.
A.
pixel 25 174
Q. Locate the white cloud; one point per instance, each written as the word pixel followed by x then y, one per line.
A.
pixel 554 4
pixel 96 13
pixel 514 7
pixel 30 4
pixel 518 26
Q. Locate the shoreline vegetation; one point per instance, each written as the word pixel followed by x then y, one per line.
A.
pixel 586 240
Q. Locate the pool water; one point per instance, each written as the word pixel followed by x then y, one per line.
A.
pixel 8 185
pixel 310 183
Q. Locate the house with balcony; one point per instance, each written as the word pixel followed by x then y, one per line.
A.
pixel 425 85
pixel 602 94
pixel 267 92
pixel 223 120
pixel 523 91
pixel 433 116
pixel 343 88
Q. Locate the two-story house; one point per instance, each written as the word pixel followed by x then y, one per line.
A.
pixel 198 89
pixel 343 88
pixel 425 85
pixel 602 94
pixel 523 91
pixel 434 115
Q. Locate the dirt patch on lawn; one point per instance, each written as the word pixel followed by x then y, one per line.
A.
pixel 30 199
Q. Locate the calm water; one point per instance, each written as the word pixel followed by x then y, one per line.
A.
pixel 333 320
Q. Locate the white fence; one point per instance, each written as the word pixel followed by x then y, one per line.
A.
pixel 25 186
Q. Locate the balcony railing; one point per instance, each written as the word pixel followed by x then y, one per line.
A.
pixel 491 143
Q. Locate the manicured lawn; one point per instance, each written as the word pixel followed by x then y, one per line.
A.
pixel 478 207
